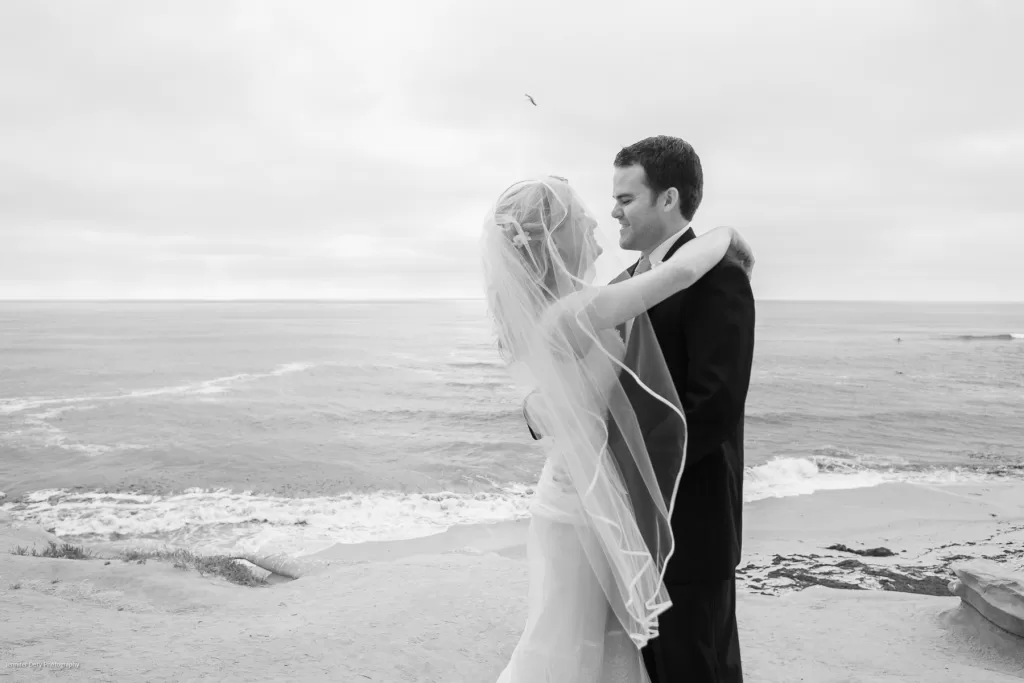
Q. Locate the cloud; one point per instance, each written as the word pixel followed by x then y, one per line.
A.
pixel 268 149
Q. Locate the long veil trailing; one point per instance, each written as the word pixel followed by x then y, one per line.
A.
pixel 608 402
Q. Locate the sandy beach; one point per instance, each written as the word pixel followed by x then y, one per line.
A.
pixel 450 607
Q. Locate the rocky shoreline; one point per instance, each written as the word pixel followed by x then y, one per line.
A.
pixel 879 568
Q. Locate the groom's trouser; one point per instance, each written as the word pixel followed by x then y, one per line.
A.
pixel 697 638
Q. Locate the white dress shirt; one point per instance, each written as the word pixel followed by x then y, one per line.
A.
pixel 657 257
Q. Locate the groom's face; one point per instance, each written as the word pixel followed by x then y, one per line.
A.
pixel 641 224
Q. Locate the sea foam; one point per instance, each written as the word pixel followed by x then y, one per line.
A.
pixel 223 520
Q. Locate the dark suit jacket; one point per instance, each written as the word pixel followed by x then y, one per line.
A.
pixel 706 334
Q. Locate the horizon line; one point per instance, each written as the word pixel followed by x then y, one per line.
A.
pixel 241 300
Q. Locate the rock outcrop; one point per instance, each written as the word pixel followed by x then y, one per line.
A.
pixel 284 565
pixel 994 590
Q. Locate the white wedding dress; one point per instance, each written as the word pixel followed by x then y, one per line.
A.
pixel 571 634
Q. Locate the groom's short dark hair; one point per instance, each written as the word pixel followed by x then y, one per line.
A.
pixel 668 162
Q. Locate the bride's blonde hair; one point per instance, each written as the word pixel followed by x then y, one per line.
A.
pixel 527 213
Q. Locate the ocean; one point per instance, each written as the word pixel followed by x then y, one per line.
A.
pixel 296 425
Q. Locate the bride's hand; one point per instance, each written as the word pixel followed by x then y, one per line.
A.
pixel 740 252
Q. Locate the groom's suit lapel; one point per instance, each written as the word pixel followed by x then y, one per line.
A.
pixel 683 239
pixel 633 346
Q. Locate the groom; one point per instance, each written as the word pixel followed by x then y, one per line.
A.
pixel 706 335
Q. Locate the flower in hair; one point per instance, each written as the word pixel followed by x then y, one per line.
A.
pixel 521 239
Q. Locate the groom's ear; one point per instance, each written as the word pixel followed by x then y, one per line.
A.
pixel 670 199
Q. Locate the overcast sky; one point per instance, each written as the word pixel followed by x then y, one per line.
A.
pixel 254 149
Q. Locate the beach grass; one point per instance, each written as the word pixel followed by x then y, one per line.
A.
pixel 64 551
pixel 214 565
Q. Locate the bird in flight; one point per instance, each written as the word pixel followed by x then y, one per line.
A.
pixel 531 100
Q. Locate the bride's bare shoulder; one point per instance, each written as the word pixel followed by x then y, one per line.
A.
pixel 554 328
pixel 556 317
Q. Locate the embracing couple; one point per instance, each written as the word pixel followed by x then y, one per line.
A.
pixel 638 391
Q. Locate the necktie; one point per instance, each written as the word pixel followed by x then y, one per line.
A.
pixel 642 266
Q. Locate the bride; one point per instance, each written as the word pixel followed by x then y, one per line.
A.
pixel 599 536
